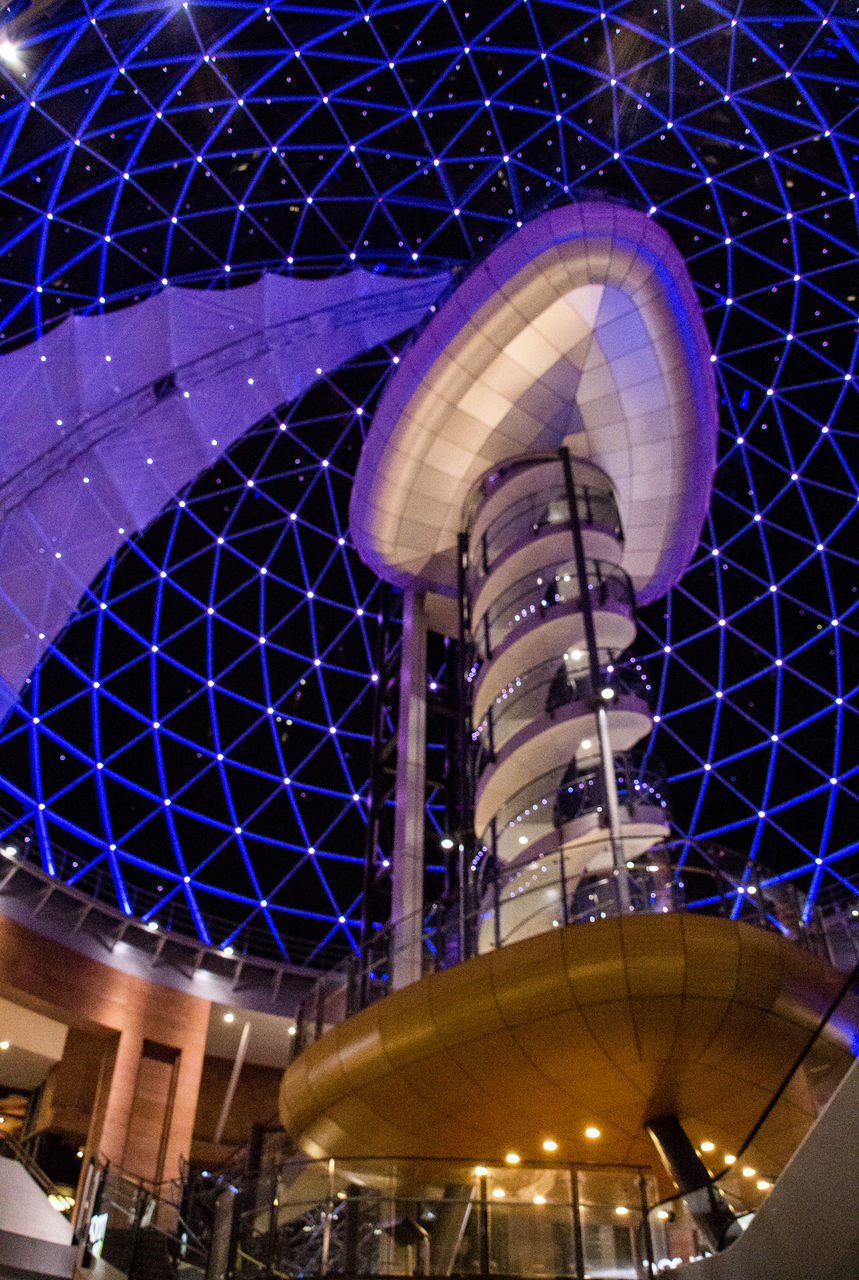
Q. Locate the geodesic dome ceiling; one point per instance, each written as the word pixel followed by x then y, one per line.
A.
pixel 165 759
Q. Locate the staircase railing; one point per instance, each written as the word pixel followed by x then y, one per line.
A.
pixel 12 1149
pixel 122 1215
pixel 743 1176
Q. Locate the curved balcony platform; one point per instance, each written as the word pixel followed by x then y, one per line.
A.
pixel 527 645
pixel 605 1024
pixel 550 741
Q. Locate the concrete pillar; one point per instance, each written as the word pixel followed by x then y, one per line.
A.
pixel 151 1101
pixel 150 1041
pixel 407 864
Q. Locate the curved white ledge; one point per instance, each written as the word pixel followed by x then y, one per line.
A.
pixel 583 327
pixel 550 741
pixel 528 645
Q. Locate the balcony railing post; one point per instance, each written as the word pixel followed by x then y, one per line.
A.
pixel 576 1209
pixel 646 1235
pixel 565 906
pixel 755 883
pixel 606 756
pixel 483 1226
pixel 496 907
pixel 271 1235
pixel 326 1226
pixel 462 903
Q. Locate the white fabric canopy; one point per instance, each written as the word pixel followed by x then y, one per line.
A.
pixel 105 418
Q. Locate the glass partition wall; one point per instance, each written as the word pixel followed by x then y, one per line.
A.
pixel 377 1217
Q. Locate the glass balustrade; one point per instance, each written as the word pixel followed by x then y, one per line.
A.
pixel 532 597
pixel 547 689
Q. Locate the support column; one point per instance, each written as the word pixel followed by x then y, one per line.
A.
pixel 705 1202
pixel 609 778
pixel 407 863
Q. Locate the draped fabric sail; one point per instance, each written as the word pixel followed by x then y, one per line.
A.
pixel 105 418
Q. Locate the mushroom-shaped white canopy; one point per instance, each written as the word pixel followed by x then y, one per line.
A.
pixel 583 328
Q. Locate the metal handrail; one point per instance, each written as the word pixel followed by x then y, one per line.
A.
pixel 718 1180
pixel 572 791
pixel 549 686
pixel 557 585
pixel 671 876
pixel 138 1203
pixel 536 513
pixel 23 1156
pixel 324 1217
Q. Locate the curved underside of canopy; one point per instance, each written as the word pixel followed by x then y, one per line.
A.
pixel 107 417
pixel 582 328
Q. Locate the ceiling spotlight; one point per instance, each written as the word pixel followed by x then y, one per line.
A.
pixel 539 1199
pixel 498 1192
pixel 9 54
pixel 763 1184
pixel 446 842
pixel 512 1157
pixel 592 1131
pixel 621 1211
pixel 481 1171
pixel 229 1017
pixel 550 1145
pixel 708 1146
pixel 730 1159
pixel 749 1172
pixel 4 1044
pixel 607 694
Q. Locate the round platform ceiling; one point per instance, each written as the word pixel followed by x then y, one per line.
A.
pixel 200 144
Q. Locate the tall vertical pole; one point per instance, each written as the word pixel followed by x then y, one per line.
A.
pixel 463 738
pixel 407 863
pixel 483 1226
pixel 233 1081
pixel 376 797
pixel 576 1206
pixel 646 1234
pixel 326 1226
pixel 608 777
